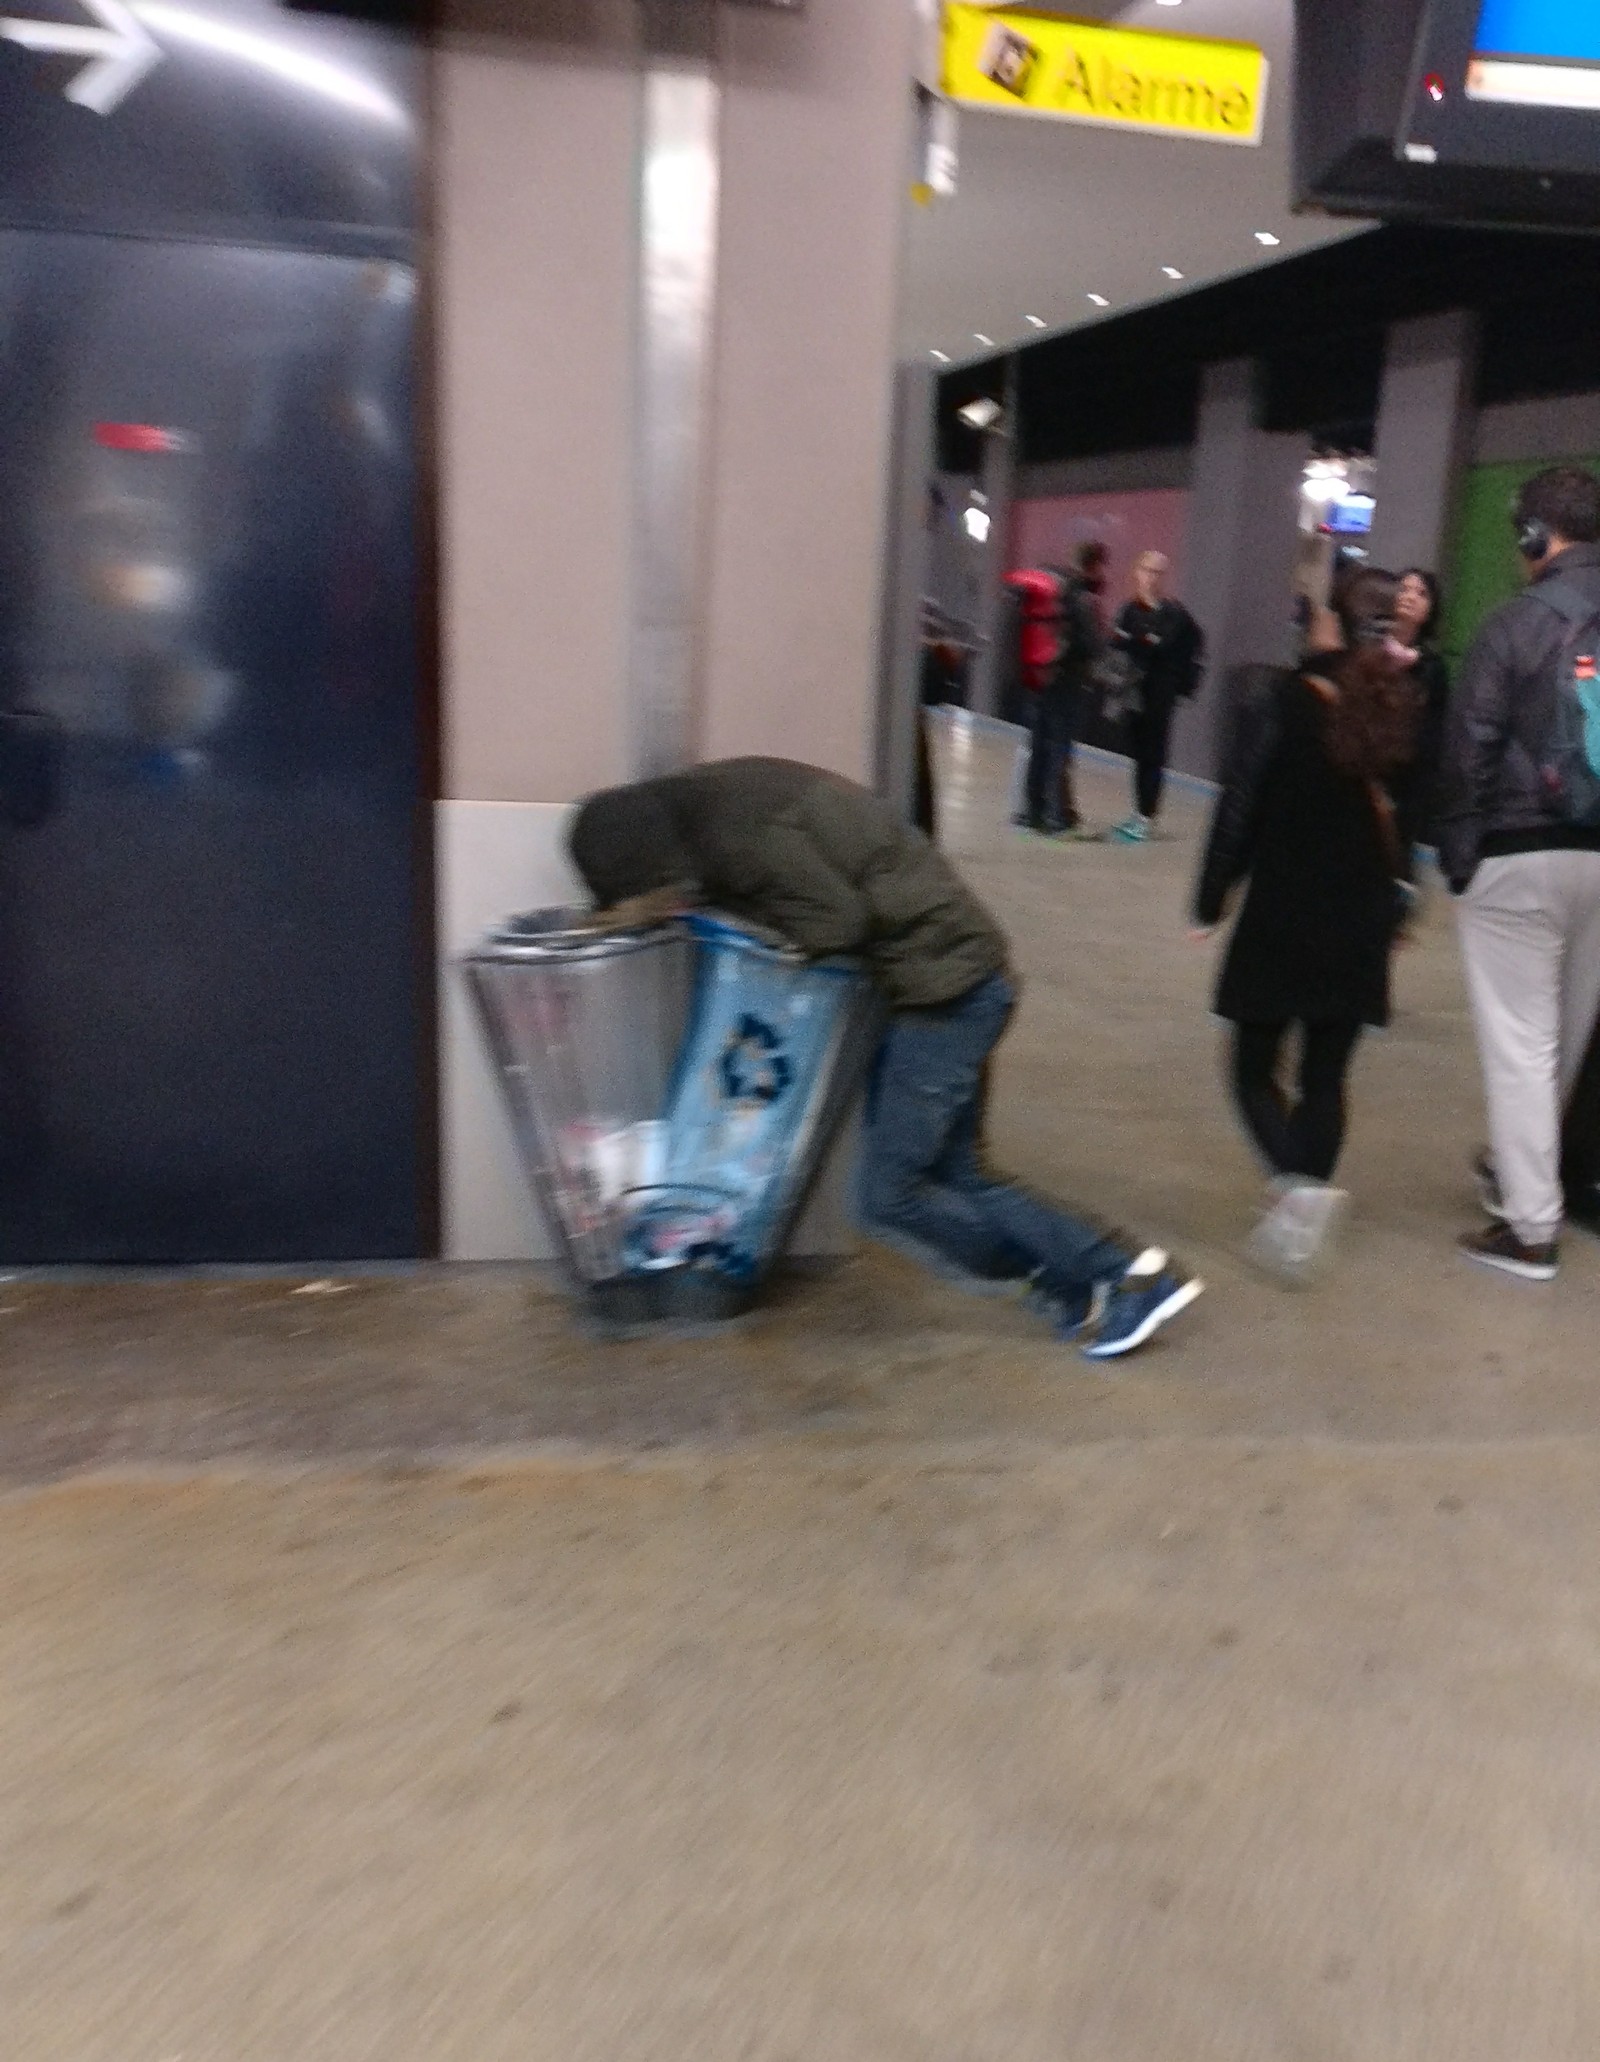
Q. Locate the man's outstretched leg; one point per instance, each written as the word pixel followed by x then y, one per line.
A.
pixel 924 1183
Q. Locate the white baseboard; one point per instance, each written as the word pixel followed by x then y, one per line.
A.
pixel 493 858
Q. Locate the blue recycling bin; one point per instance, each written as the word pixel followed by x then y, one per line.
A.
pixel 674 1092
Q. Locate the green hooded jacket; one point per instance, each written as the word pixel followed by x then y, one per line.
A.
pixel 804 852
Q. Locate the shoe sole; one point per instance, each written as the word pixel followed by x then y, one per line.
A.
pixel 1524 1270
pixel 1164 1313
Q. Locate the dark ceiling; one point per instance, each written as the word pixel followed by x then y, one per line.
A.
pixel 1316 324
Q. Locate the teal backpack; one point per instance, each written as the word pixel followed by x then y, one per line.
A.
pixel 1569 765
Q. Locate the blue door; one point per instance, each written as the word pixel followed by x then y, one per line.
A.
pixel 212 919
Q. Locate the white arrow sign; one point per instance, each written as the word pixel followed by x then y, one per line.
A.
pixel 120 52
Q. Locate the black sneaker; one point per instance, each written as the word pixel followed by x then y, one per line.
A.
pixel 1500 1247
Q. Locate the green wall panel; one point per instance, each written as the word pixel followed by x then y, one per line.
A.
pixel 1484 569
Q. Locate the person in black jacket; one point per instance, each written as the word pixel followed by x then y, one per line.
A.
pixel 1167 648
pixel 1052 806
pixel 1316 813
pixel 1527 876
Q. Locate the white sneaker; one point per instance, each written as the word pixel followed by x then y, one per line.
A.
pixel 1296 1236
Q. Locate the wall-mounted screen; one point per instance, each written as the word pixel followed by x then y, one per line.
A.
pixel 1537 53
pixel 1450 110
pixel 1507 84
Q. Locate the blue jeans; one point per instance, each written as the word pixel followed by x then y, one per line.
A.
pixel 923 1179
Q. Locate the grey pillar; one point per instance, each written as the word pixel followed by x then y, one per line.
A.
pixel 1425 427
pixel 998 481
pixel 1261 625
pixel 912 454
pixel 1243 537
pixel 1224 433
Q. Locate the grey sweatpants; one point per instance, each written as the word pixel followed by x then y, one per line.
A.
pixel 1530 936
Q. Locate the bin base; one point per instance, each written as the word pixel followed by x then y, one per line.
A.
pixel 677 1299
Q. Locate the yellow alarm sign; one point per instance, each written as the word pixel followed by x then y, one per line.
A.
pixel 1023 62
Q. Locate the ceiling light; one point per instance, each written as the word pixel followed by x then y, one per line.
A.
pixel 978 337
pixel 981 414
pixel 1037 321
pixel 940 357
pixel 1099 300
pixel 1172 271
pixel 1266 236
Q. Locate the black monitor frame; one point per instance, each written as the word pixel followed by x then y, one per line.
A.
pixel 1361 147
pixel 1486 134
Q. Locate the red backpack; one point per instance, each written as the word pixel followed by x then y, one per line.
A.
pixel 1043 597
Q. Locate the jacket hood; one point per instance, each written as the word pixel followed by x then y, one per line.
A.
pixel 624 842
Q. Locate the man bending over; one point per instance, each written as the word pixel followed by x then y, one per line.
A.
pixel 833 869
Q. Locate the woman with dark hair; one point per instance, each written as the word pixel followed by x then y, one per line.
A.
pixel 1317 813
pixel 1418 602
pixel 1418 607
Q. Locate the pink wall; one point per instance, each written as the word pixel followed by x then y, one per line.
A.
pixel 1049 532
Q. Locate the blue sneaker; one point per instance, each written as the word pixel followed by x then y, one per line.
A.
pixel 1150 1294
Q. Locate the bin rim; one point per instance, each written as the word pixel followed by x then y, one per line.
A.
pixel 717 927
pixel 562 933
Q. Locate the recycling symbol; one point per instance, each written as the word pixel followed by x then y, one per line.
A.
pixel 754 1068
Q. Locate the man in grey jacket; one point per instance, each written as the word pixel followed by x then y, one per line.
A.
pixel 834 870
pixel 1526 874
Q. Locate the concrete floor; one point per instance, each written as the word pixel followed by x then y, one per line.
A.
pixel 389 1673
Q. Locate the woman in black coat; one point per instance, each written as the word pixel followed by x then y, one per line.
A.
pixel 1317 814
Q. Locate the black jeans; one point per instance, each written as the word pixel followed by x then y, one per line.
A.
pixel 1148 734
pixel 1305 1135
pixel 1050 799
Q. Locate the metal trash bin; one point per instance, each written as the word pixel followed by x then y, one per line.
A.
pixel 674 1092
